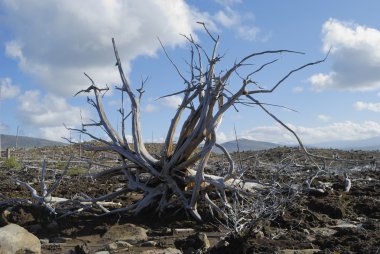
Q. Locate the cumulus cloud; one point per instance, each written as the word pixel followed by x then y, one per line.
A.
pixel 221 137
pixel 227 18
pixel 298 89
pixel 240 23
pixel 150 108
pixel 249 33
pixel 56 41
pixel 342 131
pixel 49 113
pixel 355 56
pixel 7 90
pixel 172 101
pixel 375 107
pixel 324 118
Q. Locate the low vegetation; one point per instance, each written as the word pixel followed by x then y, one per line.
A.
pixel 11 163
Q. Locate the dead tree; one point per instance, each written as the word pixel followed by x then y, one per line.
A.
pixel 177 175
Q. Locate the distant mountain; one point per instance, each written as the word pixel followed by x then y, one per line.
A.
pixel 8 141
pixel 246 145
pixel 363 144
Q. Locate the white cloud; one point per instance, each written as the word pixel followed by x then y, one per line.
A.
pixel 150 108
pixel 375 107
pixel 7 90
pixel 48 114
pixel 63 39
pixel 298 89
pixel 310 135
pixel 324 118
pixel 249 33
pixel 239 23
pixel 172 101
pixel 56 133
pixel 221 137
pixel 228 18
pixel 355 56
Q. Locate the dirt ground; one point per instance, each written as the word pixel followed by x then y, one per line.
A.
pixel 329 222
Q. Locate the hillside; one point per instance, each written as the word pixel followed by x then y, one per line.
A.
pixel 246 145
pixel 26 142
pixel 362 144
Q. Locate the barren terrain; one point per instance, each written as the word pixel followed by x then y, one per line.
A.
pixel 320 219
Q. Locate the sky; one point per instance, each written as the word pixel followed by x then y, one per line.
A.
pixel 47 45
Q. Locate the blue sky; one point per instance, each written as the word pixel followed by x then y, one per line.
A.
pixel 46 45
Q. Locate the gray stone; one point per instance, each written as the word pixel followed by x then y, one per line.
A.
pixel 149 244
pixel 162 251
pixel 304 251
pixel 14 238
pixel 102 252
pixel 44 241
pixel 112 246
pixel 127 232
pixel 222 243
pixel 323 231
pixel 183 231
pixel 203 238
pixel 123 244
pixel 52 246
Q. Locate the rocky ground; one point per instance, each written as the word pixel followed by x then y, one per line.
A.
pixel 313 222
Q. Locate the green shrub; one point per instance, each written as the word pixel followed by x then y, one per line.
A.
pixel 76 171
pixel 11 163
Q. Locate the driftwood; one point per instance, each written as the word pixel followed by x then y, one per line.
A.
pixel 45 198
pixel 165 179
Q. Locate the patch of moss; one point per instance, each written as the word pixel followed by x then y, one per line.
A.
pixel 76 171
pixel 12 163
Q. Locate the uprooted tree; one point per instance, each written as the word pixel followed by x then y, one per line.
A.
pixel 164 179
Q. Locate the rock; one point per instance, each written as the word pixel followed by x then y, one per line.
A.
pixel 4 216
pixel 127 232
pixel 149 244
pixel 14 238
pixel 112 246
pixel 19 215
pixel 102 252
pixel 222 243
pixel 304 251
pixel 204 239
pixel 162 251
pixel 196 242
pixel 82 249
pixel 183 231
pixel 123 244
pixel 323 231
pixel 52 246
pixel 44 241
